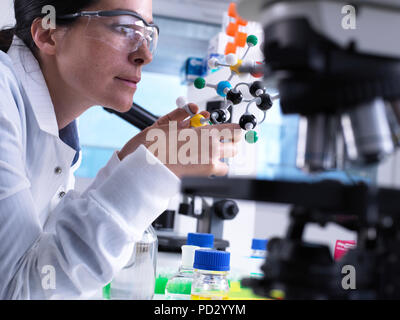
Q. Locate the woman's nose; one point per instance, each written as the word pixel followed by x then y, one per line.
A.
pixel 142 55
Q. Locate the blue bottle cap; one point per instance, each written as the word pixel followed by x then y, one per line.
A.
pixel 259 244
pixel 204 240
pixel 213 260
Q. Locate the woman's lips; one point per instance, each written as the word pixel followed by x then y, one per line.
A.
pixel 129 82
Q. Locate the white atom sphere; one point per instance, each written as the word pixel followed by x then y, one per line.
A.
pixel 213 63
pixel 231 59
pixel 249 126
pixel 228 115
pixel 181 102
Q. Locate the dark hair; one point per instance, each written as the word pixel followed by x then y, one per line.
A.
pixel 26 11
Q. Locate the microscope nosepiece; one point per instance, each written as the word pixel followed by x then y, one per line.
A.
pixel 367 133
pixel 316 143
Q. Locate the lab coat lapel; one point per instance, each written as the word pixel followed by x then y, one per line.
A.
pixel 29 73
pixel 46 151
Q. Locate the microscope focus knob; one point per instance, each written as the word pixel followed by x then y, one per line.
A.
pixel 226 209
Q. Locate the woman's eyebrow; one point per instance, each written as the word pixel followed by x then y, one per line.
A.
pixel 133 11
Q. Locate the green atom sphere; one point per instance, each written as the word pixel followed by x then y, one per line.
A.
pixel 251 137
pixel 200 83
pixel 252 40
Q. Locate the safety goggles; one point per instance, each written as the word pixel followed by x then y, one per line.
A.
pixel 125 31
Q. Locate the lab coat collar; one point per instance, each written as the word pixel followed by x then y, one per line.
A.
pixel 29 73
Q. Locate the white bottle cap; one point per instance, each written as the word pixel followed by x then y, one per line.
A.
pixel 188 255
pixel 231 59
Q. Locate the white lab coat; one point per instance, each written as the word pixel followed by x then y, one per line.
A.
pixel 84 238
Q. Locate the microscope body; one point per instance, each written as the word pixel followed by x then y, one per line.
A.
pixel 341 81
pixel 337 66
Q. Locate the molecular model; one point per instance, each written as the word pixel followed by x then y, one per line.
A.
pixel 233 96
pixel 196 120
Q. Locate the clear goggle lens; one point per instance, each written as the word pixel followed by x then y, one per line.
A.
pixel 124 33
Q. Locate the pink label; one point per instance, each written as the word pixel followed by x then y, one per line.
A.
pixel 342 247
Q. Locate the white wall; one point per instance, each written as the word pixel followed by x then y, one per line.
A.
pixel 7 13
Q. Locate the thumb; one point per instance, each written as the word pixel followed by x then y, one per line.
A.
pixel 178 115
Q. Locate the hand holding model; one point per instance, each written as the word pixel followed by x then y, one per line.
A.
pixel 206 144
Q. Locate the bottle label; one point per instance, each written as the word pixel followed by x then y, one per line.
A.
pixel 342 247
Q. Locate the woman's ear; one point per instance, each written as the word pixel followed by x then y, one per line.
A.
pixel 43 37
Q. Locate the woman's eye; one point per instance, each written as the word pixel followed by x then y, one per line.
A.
pixel 126 31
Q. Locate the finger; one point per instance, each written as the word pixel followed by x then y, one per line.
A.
pixel 205 114
pixel 219 169
pixel 228 132
pixel 178 115
pixel 194 108
pixel 231 126
pixel 228 150
pixel 220 150
pixel 186 124
pixel 237 135
pixel 181 102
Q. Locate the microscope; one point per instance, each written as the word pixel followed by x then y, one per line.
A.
pixel 336 66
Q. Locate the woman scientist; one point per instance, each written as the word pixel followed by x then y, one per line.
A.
pixel 48 78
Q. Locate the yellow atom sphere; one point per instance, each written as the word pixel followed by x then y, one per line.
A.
pixel 197 121
pixel 236 67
